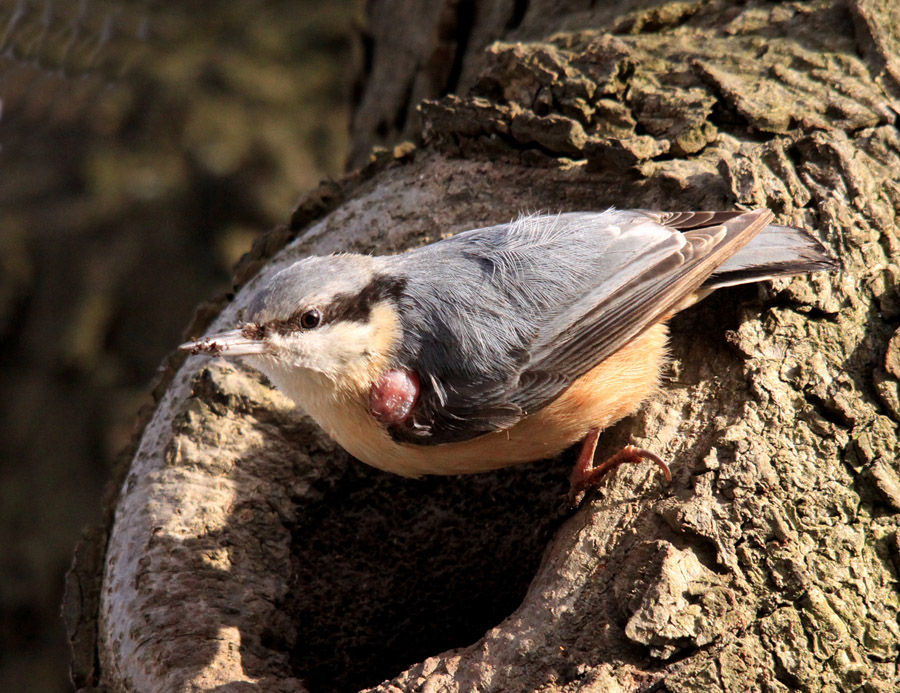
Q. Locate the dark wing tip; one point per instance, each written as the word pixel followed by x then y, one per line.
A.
pixel 778 251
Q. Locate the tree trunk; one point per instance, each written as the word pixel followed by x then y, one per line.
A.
pixel 249 552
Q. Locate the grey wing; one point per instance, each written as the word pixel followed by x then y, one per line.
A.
pixel 525 309
pixel 604 321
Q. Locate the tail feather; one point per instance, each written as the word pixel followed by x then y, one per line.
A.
pixel 777 251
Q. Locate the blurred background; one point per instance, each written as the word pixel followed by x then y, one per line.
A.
pixel 143 146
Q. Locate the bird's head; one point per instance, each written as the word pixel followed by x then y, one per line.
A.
pixel 323 321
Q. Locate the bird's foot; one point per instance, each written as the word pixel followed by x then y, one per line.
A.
pixel 585 474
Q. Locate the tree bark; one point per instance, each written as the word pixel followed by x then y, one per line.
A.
pixel 249 552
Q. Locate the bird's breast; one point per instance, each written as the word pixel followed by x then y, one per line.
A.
pixel 612 390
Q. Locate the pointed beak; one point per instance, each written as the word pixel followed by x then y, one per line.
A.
pixel 231 343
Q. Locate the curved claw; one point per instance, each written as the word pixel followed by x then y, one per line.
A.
pixel 585 475
pixel 652 456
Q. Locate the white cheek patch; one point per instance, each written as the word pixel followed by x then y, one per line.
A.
pixel 350 354
pixel 338 345
pixel 335 350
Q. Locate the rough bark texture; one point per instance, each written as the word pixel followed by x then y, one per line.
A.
pixel 248 552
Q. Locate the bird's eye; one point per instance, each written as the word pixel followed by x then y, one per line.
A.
pixel 311 319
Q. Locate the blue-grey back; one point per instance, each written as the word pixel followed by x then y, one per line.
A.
pixel 486 294
pixel 499 321
pixel 479 305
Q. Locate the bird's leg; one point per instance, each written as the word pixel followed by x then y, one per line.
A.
pixel 578 481
pixel 585 474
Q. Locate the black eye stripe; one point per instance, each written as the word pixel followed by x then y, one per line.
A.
pixel 357 307
pixel 344 307
pixel 302 320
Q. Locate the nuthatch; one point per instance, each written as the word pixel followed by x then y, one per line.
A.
pixel 504 344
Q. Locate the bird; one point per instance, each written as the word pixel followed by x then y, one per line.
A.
pixel 505 344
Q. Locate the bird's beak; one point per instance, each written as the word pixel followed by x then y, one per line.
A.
pixel 231 343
